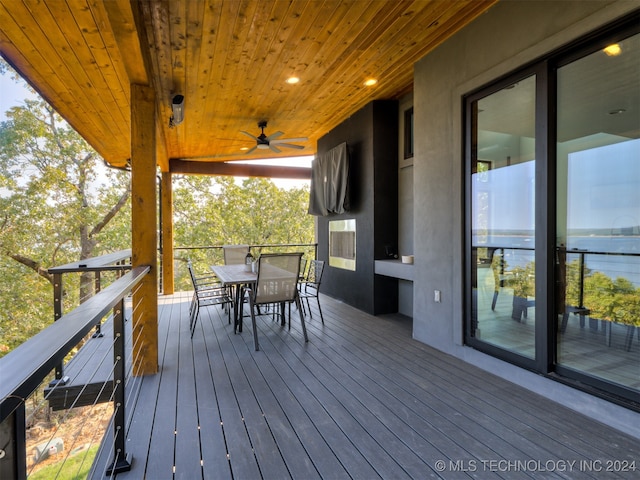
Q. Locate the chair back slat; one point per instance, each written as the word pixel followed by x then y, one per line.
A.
pixel 191 274
pixel 277 277
pixel 303 268
pixel 314 274
pixel 235 254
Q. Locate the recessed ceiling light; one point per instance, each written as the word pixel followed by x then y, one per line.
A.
pixel 370 82
pixel 613 50
pixel 244 148
pixel 292 80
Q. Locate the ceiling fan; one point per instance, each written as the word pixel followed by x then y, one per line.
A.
pixel 272 142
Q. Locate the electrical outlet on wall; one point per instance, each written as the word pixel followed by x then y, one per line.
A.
pixel 437 296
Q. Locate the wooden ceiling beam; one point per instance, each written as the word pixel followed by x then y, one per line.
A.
pixel 236 169
pixel 125 34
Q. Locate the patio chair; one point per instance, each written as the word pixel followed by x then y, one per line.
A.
pixel 207 291
pixel 310 287
pixel 518 278
pixel 275 309
pixel 277 283
pixel 303 268
pixel 235 254
pixel 199 282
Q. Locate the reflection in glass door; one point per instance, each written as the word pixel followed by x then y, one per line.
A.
pixel 598 215
pixel 503 220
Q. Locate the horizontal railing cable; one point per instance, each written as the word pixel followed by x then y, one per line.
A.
pixel 25 368
pixel 74 402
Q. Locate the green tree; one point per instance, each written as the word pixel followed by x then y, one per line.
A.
pixel 218 211
pixel 573 282
pixel 626 302
pixel 58 203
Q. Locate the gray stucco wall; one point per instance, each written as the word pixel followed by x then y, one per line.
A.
pixel 508 36
pixel 405 210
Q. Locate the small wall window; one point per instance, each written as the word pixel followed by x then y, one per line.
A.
pixel 408 133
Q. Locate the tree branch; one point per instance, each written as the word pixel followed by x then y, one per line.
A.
pixel 111 213
pixel 32 264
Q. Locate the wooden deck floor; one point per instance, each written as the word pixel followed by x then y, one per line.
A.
pixel 360 400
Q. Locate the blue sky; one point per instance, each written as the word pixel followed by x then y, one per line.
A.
pixel 13 94
pixel 603 191
pixel 604 187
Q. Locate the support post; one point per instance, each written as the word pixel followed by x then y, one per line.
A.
pixel 166 201
pixel 144 228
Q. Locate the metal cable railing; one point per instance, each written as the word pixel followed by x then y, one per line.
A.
pixel 202 257
pixel 25 368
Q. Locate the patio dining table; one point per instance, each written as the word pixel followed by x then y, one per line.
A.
pixel 235 276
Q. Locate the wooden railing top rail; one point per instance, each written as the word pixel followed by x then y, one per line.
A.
pixel 109 261
pixel 24 368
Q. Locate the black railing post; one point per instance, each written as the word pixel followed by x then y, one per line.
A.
pixel 13 445
pixel 58 292
pixel 122 460
pixel 97 286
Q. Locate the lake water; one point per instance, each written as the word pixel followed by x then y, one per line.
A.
pixel 615 256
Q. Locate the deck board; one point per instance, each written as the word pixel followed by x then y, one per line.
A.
pixel 215 463
pixel 360 400
pixel 407 420
pixel 89 372
pixel 325 411
pixel 350 407
pixel 223 367
pixel 444 413
pixel 187 442
pixel 162 433
pixel 468 416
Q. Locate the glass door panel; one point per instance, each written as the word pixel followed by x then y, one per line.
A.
pixel 598 215
pixel 503 219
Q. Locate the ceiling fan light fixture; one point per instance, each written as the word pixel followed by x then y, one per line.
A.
pixel 272 142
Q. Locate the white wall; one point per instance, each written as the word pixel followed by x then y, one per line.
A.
pixel 508 36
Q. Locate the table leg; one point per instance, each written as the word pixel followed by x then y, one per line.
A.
pixel 237 311
pixel 282 319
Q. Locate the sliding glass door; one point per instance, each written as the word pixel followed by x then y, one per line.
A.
pixel 552 217
pixel 598 214
pixel 503 218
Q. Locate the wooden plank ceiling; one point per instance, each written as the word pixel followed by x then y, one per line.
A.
pixel 229 58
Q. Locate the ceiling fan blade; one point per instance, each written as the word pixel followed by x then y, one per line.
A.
pixel 287 140
pixel 290 145
pixel 249 135
pixel 274 148
pixel 274 135
pixel 250 150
